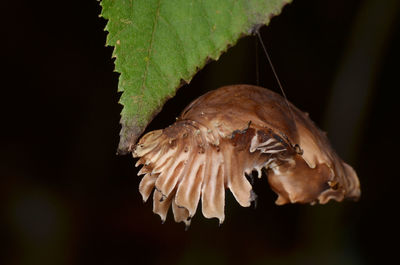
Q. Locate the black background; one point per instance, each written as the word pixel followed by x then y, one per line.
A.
pixel 66 198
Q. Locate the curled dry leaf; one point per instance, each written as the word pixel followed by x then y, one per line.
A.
pixel 227 134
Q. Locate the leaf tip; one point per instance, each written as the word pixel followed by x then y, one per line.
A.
pixel 128 137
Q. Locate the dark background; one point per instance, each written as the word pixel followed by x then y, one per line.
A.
pixel 66 198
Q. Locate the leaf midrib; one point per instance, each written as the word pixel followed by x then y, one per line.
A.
pixel 150 47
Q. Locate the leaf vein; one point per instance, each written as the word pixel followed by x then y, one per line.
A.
pixel 151 45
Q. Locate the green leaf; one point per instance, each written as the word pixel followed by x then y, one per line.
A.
pixel 160 44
